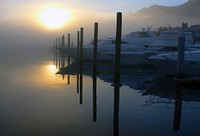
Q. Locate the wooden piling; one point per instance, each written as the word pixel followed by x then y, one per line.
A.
pixel 94 76
pixel 78 58
pixel 117 75
pixel 68 57
pixel 181 57
pixel 62 52
pixel 81 46
pixel 56 52
pixel 81 65
pixel 118 48
pixel 63 41
pixel 59 65
pixel 95 47
pixel 78 46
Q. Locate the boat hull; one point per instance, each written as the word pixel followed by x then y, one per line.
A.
pixel 168 63
pixel 108 55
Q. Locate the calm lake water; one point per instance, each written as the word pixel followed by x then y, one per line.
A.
pixel 35 101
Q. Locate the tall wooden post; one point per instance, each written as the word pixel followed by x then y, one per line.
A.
pixel 118 48
pixel 78 46
pixel 95 47
pixel 117 75
pixel 81 65
pixel 95 72
pixel 59 54
pixel 77 60
pixel 62 52
pixel 63 41
pixel 81 47
pixel 56 52
pixel 68 58
pixel 68 47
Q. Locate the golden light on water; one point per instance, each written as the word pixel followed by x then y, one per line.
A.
pixel 52 68
pixel 54 16
pixel 46 75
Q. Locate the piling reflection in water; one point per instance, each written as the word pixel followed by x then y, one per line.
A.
pixel 138 78
pixel 116 108
pixel 177 110
pixel 165 95
pixel 173 95
pixel 94 77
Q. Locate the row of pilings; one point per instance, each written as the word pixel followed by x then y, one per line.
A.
pixel 61 60
pixel 60 63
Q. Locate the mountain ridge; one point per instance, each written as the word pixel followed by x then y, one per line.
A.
pixel 157 15
pixel 189 9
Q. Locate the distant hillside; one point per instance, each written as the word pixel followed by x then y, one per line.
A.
pixel 160 15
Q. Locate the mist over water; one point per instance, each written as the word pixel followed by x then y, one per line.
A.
pixel 37 101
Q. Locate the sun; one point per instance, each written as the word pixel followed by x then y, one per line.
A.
pixel 54 17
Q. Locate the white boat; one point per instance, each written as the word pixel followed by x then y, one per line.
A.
pixel 131 42
pixel 166 42
pixel 135 47
pixel 167 62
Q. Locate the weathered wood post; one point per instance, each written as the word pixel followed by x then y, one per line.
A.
pixel 62 52
pixel 181 56
pixel 81 65
pixel 95 72
pixel 81 47
pixel 68 59
pixel 77 60
pixel 95 47
pixel 78 47
pixel 59 54
pixel 118 48
pixel 117 75
pixel 56 52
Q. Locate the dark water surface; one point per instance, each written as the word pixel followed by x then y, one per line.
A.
pixel 34 101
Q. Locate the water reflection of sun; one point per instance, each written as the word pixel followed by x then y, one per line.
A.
pixel 52 68
pixel 45 75
pixel 51 76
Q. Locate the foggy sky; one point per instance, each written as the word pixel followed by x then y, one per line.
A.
pixel 20 27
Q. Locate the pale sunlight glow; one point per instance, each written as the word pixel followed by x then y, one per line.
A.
pixel 52 68
pixel 54 17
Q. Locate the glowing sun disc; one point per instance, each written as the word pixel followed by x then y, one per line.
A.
pixel 54 17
